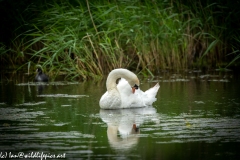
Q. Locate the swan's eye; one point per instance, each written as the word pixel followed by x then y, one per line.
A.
pixel 135 86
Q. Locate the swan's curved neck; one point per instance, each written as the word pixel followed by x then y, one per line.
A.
pixel 121 73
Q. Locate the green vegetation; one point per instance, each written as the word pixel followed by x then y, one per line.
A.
pixel 90 38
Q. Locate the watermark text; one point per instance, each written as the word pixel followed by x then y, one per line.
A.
pixel 33 155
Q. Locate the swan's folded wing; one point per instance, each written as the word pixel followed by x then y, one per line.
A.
pixel 110 100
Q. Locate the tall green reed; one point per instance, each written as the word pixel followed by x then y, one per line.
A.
pixel 88 39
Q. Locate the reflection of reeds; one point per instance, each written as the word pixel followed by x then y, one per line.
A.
pixel 88 39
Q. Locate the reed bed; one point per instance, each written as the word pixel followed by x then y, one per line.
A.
pixel 88 39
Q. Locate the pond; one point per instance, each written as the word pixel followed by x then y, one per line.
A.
pixel 196 116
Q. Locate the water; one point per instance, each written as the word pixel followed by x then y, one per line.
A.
pixel 196 116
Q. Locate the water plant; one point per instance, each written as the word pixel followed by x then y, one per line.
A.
pixel 87 39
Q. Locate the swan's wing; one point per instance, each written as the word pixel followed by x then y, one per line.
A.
pixel 124 87
pixel 125 90
pixel 110 100
pixel 139 98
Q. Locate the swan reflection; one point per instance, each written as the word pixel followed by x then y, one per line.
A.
pixel 123 125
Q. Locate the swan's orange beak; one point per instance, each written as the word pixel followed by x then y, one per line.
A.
pixel 134 88
pixel 135 128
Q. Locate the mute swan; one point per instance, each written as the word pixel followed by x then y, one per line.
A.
pixel 126 94
pixel 41 77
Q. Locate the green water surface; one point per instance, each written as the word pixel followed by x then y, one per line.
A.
pixel 196 116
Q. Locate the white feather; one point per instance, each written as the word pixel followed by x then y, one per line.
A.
pixel 121 96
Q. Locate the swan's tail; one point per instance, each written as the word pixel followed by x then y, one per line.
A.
pixel 153 91
pixel 151 94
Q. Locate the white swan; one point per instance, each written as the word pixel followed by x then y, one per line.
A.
pixel 125 93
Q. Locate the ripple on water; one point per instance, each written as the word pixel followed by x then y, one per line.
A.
pixel 54 140
pixel 192 129
pixel 62 96
pixel 61 83
pixel 20 114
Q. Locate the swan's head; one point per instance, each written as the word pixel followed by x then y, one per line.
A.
pixel 134 84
